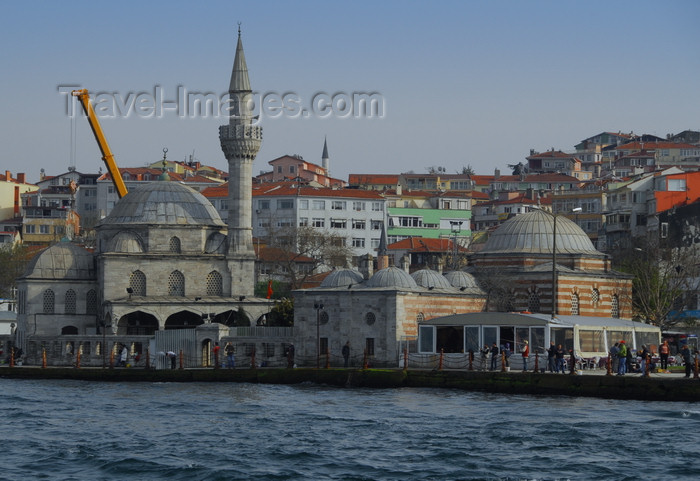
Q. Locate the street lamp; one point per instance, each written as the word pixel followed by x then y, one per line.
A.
pixel 319 307
pixel 456 227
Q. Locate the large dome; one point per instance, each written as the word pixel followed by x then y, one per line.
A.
pixel 164 203
pixel 392 277
pixel 430 279
pixel 533 233
pixel 342 278
pixel 62 261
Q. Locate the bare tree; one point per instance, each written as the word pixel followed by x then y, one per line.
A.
pixel 13 262
pixel 664 279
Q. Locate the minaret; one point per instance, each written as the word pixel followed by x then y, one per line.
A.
pixel 240 141
pixel 325 158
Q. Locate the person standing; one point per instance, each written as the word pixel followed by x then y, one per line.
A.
pixel 526 354
pixel 346 354
pixel 230 356
pixel 507 352
pixel 664 351
pixel 614 360
pixel 216 355
pixel 290 356
pixel 494 356
pixel 484 357
pixel 644 359
pixel 622 356
pixel 173 358
pixel 560 359
pixel 551 356
pixel 687 359
pixel 124 356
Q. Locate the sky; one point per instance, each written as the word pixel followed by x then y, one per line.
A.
pixel 460 83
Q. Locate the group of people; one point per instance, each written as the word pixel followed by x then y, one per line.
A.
pixel 555 358
pixel 504 351
pixel 622 358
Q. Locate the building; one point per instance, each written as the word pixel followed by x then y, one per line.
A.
pixel 294 167
pixel 166 272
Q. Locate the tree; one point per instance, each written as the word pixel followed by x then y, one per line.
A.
pixel 664 279
pixel 282 314
pixel 13 262
pixel 295 253
pixel 498 287
pixel 467 170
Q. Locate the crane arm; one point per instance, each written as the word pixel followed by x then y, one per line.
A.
pixel 107 155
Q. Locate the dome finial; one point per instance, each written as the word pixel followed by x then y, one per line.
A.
pixel 239 29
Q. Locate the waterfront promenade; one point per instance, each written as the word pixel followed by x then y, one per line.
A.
pixel 590 383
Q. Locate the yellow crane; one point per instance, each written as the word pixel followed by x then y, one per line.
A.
pixel 107 155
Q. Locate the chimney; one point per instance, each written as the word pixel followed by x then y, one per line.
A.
pixel 496 173
pixel 405 263
pixel 8 176
pixel 16 207
pixel 21 178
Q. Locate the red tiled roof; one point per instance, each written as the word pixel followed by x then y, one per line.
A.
pixel 547 177
pixel 423 244
pixel 476 194
pixel 275 254
pixel 551 154
pixel 654 145
pixel 482 179
pixel 373 179
pixel 289 188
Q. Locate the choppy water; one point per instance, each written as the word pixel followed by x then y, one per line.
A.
pixel 75 430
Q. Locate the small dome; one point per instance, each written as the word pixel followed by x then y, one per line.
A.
pixel 461 279
pixel 342 278
pixel 62 261
pixel 126 242
pixel 430 278
pixel 164 203
pixel 392 277
pixel 533 233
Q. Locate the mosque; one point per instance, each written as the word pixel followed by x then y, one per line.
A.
pixel 168 274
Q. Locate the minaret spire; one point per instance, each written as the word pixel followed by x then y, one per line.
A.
pixel 240 141
pixel 324 157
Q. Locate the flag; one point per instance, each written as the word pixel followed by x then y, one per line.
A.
pixel 269 289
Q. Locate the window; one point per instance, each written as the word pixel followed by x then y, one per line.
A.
pixel 291 169
pixel 574 304
pixel 264 204
pixel 29 229
pixel 369 346
pixel 358 242
pixel 49 301
pixel 303 221
pixel 338 241
pixel 370 318
pixel 323 318
pixel 375 243
pixel 304 204
pixel 356 205
pixel 339 223
pixel 427 335
pixel 137 282
pixel 377 207
pixel 279 169
pixel 285 204
pixel 323 345
pixel 318 205
pixel 533 302
pixel 338 205
pixel 615 307
pixel 91 302
pixel 176 284
pixel 44 229
pixel 174 245
pixel 70 305
pixel 595 296
pixel 214 284
pixel 318 222
pixel 676 185
pixel 359 224
pixel 376 225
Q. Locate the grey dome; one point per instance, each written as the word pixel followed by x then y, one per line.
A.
pixel 533 233
pixel 430 278
pixel 392 277
pixel 342 278
pixel 461 279
pixel 62 261
pixel 164 203
pixel 127 242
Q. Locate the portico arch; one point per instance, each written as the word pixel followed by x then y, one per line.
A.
pixel 183 320
pixel 137 323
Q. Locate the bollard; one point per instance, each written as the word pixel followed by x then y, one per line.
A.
pixel 365 364
pixel 43 357
pixel 77 359
pixel 471 360
pixel 111 359
pixel 182 360
pixel 252 359
pixel 695 373
pixel 647 365
pixel 608 366
pixel 12 356
pixel 573 363
pixel 405 359
pixel 148 359
pixel 503 361
pixel 537 362
pixel 328 358
pixel 442 357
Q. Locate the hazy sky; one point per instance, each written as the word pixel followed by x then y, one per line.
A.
pixel 462 82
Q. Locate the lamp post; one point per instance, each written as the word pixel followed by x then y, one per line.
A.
pixel 319 307
pixel 456 227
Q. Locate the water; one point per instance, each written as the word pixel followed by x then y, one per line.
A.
pixel 75 430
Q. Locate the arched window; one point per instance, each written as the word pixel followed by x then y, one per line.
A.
pixel 91 302
pixel 70 302
pixel 595 296
pixel 420 317
pixel 175 245
pixel 370 318
pixel 615 307
pixel 574 304
pixel 137 282
pixel 176 284
pixel 49 301
pixel 533 302
pixel 214 284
